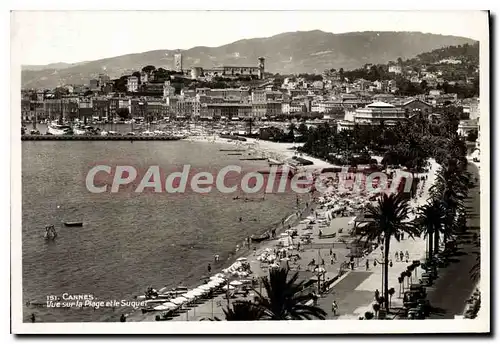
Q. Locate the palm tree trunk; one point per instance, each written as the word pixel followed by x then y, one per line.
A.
pixel 436 241
pixel 386 271
pixel 429 237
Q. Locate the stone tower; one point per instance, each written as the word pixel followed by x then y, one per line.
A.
pixel 261 66
pixel 178 62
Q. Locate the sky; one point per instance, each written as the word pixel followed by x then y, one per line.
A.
pixel 45 37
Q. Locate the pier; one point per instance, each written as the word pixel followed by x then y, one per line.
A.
pixel 98 138
pixel 254 159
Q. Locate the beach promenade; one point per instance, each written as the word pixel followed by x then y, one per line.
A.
pixel 355 292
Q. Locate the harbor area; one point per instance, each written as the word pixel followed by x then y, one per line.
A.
pixel 98 138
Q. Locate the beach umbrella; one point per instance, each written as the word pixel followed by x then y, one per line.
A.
pixel 198 292
pixel 161 308
pixel 213 284
pixel 167 305
pixel 235 283
pixel 179 300
pixel 226 287
pixel 217 276
pixel 241 259
pixel 204 287
pixel 188 296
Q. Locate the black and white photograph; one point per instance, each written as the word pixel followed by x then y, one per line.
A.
pixel 181 169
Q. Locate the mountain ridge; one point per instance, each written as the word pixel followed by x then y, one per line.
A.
pixel 288 52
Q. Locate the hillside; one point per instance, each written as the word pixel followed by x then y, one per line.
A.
pixel 57 65
pixel 292 52
pixel 467 53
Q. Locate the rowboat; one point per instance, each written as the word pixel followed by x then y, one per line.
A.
pixel 260 237
pixel 73 224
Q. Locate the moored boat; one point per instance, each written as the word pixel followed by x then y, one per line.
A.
pixel 73 224
pixel 59 129
pixel 260 238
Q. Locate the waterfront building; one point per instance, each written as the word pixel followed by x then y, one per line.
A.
pixel 226 111
pixel 85 108
pixel 100 108
pixel 155 109
pixel 66 108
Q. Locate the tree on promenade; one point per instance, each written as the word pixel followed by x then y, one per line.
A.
pixel 286 298
pixel 430 219
pixel 243 311
pixel 451 189
pixel 390 219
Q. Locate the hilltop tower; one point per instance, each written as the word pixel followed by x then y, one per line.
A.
pixel 261 66
pixel 178 62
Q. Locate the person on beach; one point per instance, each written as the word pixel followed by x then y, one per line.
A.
pixel 401 255
pixel 407 255
pixel 33 317
pixel 367 264
pixel 334 256
pixel 334 307
pixel 209 268
pixel 396 255
pixel 240 218
pixel 254 251
pixel 123 318
pixel 331 251
pixel 216 257
pixel 331 260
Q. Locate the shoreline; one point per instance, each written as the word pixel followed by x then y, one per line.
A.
pixel 291 219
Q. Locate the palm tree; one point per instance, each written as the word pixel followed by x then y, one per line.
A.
pixel 431 219
pixel 243 311
pixel 475 271
pixel 390 217
pixel 285 298
pixel 451 188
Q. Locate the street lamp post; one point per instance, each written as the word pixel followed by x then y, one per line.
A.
pixel 382 264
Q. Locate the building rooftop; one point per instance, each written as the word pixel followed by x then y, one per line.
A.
pixel 380 105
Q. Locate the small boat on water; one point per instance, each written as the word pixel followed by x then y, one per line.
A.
pixel 59 129
pixel 73 224
pixel 260 238
pixel 50 233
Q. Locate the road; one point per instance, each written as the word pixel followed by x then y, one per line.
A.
pixel 454 286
